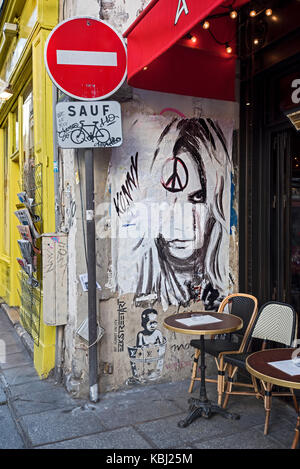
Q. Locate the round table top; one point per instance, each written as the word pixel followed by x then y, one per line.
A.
pixel 258 365
pixel 228 323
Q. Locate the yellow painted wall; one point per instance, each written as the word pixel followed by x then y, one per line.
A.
pixel 35 19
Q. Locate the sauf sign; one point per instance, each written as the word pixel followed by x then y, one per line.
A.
pixel 89 125
pixel 87 60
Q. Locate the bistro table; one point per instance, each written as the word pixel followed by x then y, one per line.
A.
pixel 192 325
pixel 258 365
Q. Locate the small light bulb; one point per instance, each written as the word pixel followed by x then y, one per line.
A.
pixel 233 14
pixel 145 68
pixel 194 39
pixel 269 12
pixel 206 25
pixel 228 49
pixel 252 13
pixel 248 104
pixel 256 41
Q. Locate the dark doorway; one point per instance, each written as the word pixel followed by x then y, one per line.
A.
pixel 285 217
pixel 295 223
pixel 269 213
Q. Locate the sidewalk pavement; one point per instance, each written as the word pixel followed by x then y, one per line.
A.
pixel 40 414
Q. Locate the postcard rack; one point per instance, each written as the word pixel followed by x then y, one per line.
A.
pixel 29 214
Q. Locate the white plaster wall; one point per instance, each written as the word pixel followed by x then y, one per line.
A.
pixel 71 8
pixel 122 13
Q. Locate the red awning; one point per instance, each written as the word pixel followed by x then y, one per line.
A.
pixel 162 58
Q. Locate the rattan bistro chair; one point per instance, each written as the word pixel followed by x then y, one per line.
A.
pixel 275 323
pixel 245 307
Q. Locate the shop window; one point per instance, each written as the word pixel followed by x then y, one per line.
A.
pixel 28 140
pixel 6 240
pixel 15 142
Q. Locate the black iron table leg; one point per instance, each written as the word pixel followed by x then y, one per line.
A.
pixel 203 407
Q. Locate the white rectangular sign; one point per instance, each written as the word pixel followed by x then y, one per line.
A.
pixel 96 124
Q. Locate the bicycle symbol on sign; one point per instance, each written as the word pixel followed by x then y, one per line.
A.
pixel 82 134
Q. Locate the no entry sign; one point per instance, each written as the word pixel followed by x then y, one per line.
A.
pixel 86 58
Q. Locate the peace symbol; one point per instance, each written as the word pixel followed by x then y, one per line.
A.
pixel 179 177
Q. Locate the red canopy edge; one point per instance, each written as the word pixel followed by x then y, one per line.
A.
pixel 159 57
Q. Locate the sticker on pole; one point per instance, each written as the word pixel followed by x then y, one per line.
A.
pixel 86 58
pixel 89 125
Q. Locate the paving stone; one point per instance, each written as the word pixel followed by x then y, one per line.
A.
pixel 16 359
pixel 3 398
pixel 250 410
pixel 165 433
pixel 14 348
pixel 281 430
pixel 178 392
pixel 9 338
pixel 125 438
pixel 4 321
pixel 249 439
pixel 41 401
pixel 59 424
pixel 128 410
pixel 9 436
pixel 283 409
pixel 25 389
pixel 20 374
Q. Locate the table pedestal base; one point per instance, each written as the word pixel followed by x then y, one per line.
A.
pixel 206 409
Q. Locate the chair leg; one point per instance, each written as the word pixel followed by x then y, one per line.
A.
pixel 267 403
pixel 258 394
pixel 194 370
pixel 221 381
pixel 295 401
pixel 297 433
pixel 231 372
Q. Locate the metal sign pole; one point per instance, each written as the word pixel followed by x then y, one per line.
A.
pixel 91 267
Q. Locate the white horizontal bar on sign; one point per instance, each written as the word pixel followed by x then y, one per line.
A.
pixel 78 57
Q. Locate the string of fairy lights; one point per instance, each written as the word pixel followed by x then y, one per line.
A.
pixel 232 13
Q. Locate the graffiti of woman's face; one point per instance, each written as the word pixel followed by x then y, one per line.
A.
pixel 183 186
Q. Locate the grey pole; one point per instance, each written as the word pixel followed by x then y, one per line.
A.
pixel 91 267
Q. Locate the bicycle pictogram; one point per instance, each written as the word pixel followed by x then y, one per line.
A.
pixel 89 132
pixel 179 176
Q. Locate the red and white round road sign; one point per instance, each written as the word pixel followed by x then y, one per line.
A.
pixel 86 58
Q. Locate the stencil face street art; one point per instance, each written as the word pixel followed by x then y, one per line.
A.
pixel 147 356
pixel 170 186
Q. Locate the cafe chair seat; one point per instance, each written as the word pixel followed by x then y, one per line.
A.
pixel 215 347
pixel 274 326
pixel 245 307
pixel 238 359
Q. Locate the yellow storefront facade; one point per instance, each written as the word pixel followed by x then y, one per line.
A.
pixel 26 164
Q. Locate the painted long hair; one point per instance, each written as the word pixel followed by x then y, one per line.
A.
pixel 205 142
